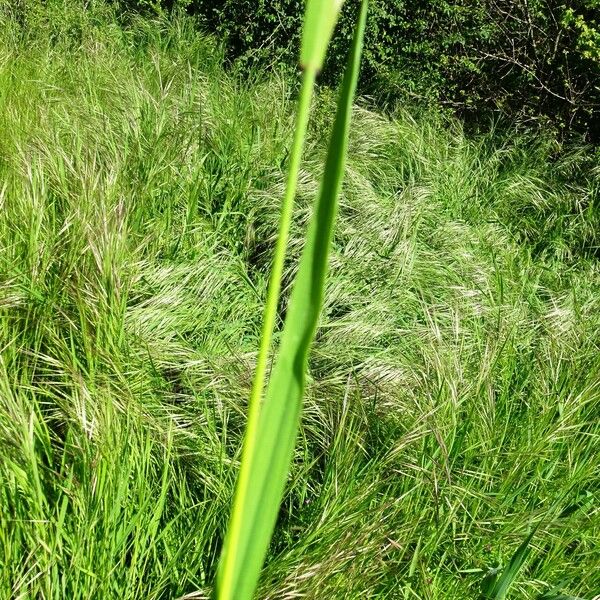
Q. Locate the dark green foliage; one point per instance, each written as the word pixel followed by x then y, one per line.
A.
pixel 533 59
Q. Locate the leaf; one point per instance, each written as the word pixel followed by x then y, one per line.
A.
pixel 495 586
pixel 319 22
pixel 278 420
pixel 556 594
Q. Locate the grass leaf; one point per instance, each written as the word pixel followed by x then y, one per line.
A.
pixel 319 23
pixel 555 593
pixel 278 420
pixel 496 587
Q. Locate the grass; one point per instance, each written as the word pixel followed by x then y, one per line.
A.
pixel 272 422
pixel 452 395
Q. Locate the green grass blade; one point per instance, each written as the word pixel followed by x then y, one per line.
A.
pixel 277 426
pixel 555 593
pixel 496 587
pixel 558 596
pixel 269 316
pixel 319 22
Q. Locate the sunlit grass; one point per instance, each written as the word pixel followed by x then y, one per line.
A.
pixel 452 390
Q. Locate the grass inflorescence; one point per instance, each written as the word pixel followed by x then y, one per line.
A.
pixel 453 388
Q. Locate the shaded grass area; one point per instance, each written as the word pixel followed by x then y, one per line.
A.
pixel 453 389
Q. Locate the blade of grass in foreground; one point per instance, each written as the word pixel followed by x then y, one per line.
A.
pixel 319 16
pixel 277 425
pixel 496 587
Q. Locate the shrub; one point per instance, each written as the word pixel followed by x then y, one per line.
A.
pixel 536 60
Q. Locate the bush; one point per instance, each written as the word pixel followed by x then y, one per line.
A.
pixel 535 60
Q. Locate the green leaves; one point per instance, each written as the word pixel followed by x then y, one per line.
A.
pixel 270 439
pixel 495 587
pixel 556 594
pixel 319 23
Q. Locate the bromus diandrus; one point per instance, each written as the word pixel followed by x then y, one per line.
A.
pixel 273 423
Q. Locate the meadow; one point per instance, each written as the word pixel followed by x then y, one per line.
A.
pixel 453 388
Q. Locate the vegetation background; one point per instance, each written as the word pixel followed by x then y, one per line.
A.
pixel 454 385
pixel 536 61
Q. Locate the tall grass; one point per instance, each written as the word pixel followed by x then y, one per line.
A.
pixel 273 423
pixel 452 393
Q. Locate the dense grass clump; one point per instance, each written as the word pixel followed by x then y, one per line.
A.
pixel 453 388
